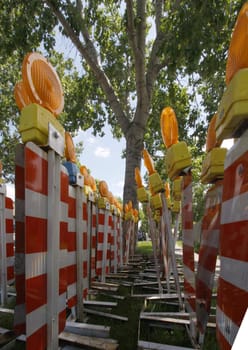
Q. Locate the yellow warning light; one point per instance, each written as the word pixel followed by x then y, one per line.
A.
pixel 169 126
pixel 238 49
pixel 41 83
pixel 70 153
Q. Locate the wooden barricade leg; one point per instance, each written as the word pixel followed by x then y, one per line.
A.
pixel 232 293
pixel 209 249
pixel 188 250
pixel 20 307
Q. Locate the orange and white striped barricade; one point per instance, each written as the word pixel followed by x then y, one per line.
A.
pixel 7 243
pixel 113 260
pixel 92 234
pixel 119 241
pixel 9 225
pixel 232 292
pixel 86 248
pixel 209 249
pixel 20 308
pixel 103 242
pixel 129 225
pixel 188 249
pixel 45 256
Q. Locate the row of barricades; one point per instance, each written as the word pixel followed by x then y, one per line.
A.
pixel 63 241
pixel 225 219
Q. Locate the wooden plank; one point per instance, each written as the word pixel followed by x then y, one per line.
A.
pixel 105 286
pixel 87 329
pixel 105 314
pixel 94 343
pixel 100 303
pixel 143 345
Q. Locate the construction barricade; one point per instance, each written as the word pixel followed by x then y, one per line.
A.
pixel 7 242
pixel 209 249
pixel 232 293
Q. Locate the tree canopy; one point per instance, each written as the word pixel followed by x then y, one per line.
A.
pixel 135 57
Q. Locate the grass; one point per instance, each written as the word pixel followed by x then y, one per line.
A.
pixel 144 248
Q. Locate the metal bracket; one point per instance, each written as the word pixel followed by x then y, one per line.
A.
pixel 55 140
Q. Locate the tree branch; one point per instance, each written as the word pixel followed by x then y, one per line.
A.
pixel 86 53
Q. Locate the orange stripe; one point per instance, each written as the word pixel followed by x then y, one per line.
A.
pixel 72 207
pixel 188 257
pixel 10 273
pixel 72 242
pixel 71 274
pixel 188 288
pixel 234 240
pixel 36 292
pixel 63 280
pixel 9 249
pixel 62 320
pixel 37 340
pixel 8 203
pixel 101 218
pixel 36 235
pixel 72 301
pixel 236 178
pixel 85 268
pixel 9 225
pixel 100 237
pixel 64 181
pixel 85 211
pixel 64 239
pixel 207 257
pixel 36 172
pixel 232 301
pixel 85 241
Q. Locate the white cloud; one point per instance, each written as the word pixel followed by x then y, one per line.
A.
pixel 102 152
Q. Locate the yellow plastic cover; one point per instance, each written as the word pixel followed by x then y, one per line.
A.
pixel 42 83
pixel 177 159
pixel 156 183
pixel 34 121
pixel 213 165
pixel 238 49
pixel 169 127
pixel 233 107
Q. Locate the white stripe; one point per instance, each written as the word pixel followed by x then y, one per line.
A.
pixel 10 261
pixel 71 225
pixel 237 150
pixel 189 276
pixel 35 264
pixel 210 238
pixel 206 276
pixel 226 326
pixel 99 246
pixel 188 237
pixel 35 204
pixel 234 272
pixel 71 258
pixel 35 320
pixel 9 238
pixel 235 209
pixel 63 261
pixel 71 290
pixel 72 192
pixel 63 211
pixel 8 214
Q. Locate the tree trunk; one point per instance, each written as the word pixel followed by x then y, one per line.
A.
pixel 134 147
